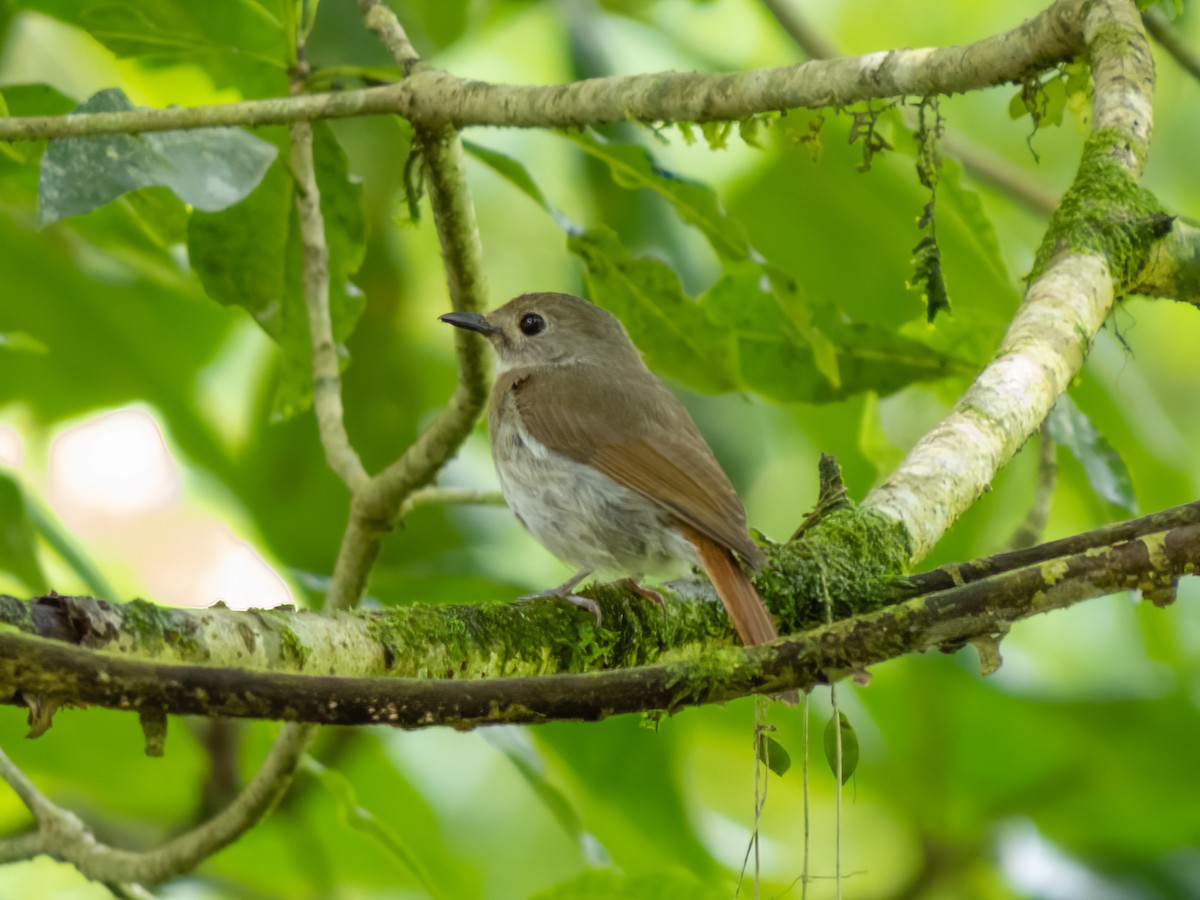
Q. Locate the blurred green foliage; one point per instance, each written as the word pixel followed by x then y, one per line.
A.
pixel 766 278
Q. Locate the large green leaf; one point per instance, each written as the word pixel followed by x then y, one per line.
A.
pixel 672 330
pixel 355 816
pixel 514 172
pixel 632 166
pixel 210 168
pixel 250 255
pixel 242 43
pixel 774 362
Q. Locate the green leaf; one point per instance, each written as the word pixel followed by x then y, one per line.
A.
pixel 18 544
pixel 355 816
pixel 242 43
pixel 773 360
pixel 772 754
pixel 18 169
pixel 516 174
pixel 954 196
pixel 20 342
pixel 250 255
pixel 609 885
pixel 697 204
pixel 849 747
pixel 671 329
pixel 521 752
pixel 1106 471
pixel 210 169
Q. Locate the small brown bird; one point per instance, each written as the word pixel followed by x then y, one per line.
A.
pixel 601 462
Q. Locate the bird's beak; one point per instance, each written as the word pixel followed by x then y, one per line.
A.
pixel 470 321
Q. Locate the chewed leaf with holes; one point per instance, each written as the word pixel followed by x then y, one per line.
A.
pixel 210 169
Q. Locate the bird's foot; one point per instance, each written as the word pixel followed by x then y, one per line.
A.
pixel 563 592
pixel 642 591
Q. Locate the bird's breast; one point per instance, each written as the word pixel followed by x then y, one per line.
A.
pixel 578 513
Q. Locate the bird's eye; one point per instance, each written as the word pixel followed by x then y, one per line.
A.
pixel 532 323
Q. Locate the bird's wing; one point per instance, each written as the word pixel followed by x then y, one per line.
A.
pixel 635 431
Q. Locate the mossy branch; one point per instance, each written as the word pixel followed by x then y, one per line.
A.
pixel 1172 269
pixel 79 650
pixel 1098 242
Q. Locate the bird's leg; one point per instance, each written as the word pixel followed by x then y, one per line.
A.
pixel 563 591
pixel 642 591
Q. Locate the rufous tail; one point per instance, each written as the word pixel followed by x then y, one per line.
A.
pixel 746 610
pixel 743 604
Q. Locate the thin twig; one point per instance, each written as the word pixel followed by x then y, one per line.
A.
pixel 1163 32
pixel 447 496
pixel 1029 533
pixel 383 22
pixel 433 99
pixel 377 506
pixel 837 726
pixel 804 787
pixel 34 799
pixel 326 366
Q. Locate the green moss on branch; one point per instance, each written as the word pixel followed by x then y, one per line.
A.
pixel 1106 212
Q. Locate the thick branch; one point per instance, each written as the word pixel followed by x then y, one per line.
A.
pixel 430 98
pixel 454 665
pixel 1102 233
pixel 1173 269
pixel 973 610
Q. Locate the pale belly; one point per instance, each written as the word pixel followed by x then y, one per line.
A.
pixel 584 517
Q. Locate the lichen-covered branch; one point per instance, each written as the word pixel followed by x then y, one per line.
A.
pixel 382 22
pixel 430 99
pixel 983 601
pixel 1097 243
pixel 1173 268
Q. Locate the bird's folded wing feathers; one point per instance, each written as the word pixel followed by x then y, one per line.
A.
pixel 647 443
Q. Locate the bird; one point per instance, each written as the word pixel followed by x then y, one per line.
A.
pixel 602 464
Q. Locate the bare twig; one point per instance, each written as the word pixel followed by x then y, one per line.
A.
pixel 384 24
pixel 1163 32
pixel 326 366
pixel 446 496
pixel 429 98
pixel 378 505
pixel 1030 530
